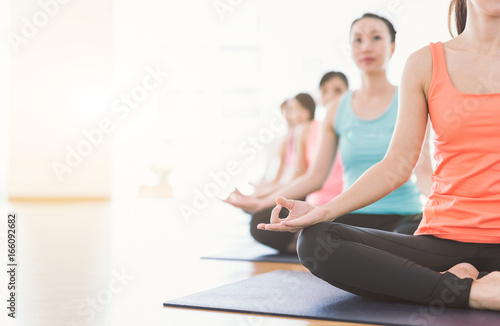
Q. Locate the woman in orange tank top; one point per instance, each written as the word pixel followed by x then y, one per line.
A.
pixel 332 85
pixel 453 259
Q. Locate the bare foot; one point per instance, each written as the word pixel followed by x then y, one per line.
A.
pixel 464 270
pixel 485 292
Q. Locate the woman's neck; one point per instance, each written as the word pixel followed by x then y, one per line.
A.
pixel 375 83
pixel 482 31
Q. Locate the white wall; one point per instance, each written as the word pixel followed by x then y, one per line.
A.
pixel 4 96
pixel 61 81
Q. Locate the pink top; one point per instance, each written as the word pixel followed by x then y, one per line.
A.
pixel 332 187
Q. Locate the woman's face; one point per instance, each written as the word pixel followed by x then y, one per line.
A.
pixel 490 7
pixel 300 114
pixel 332 89
pixel 289 114
pixel 371 44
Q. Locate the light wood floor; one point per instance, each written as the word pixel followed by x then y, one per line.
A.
pixel 115 263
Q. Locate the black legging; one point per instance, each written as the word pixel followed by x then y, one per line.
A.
pixel 406 224
pixel 387 265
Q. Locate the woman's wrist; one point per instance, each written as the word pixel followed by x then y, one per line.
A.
pixel 266 202
pixel 330 211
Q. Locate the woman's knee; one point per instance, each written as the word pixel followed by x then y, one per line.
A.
pixel 260 235
pixel 318 243
pixel 275 240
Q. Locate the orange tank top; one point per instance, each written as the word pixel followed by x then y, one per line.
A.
pixel 464 204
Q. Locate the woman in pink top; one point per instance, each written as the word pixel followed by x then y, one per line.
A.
pixel 302 108
pixel 295 149
pixel 454 257
pixel 287 153
pixel 332 86
pixel 306 137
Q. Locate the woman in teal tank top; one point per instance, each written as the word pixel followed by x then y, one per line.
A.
pixel 363 123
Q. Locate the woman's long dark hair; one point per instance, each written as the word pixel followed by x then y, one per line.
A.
pixel 460 8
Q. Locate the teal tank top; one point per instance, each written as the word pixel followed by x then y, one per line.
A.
pixel 363 143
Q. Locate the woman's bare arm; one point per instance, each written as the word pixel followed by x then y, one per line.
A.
pixel 423 169
pixel 301 135
pixel 279 173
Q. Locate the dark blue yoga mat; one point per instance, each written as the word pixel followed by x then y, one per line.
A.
pixel 254 252
pixel 302 295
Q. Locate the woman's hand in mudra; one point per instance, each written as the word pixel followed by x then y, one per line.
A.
pixel 301 216
pixel 248 204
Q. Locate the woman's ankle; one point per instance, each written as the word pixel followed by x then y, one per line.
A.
pixel 484 293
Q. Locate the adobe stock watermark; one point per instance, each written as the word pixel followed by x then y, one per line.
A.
pixel 321 252
pixel 427 315
pixel 94 137
pixel 393 8
pixel 221 179
pixel 48 9
pixel 91 307
pixel 222 7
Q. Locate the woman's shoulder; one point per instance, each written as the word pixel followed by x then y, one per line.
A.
pixel 304 127
pixel 419 67
pixel 421 58
pixel 303 130
pixel 332 108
